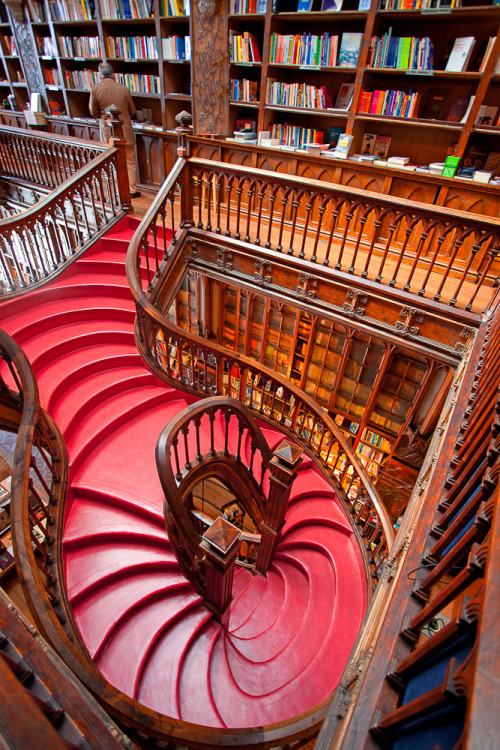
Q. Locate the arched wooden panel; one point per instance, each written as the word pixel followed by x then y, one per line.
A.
pixel 244 158
pixel 148 157
pixel 275 164
pixel 467 203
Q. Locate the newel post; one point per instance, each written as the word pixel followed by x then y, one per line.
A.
pixel 283 469
pixel 186 199
pixel 118 141
pixel 220 545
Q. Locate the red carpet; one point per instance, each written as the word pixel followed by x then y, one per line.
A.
pixel 289 635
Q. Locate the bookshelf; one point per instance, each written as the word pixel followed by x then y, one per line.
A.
pixel 162 83
pixel 73 36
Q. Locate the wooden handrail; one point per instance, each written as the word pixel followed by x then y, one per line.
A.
pixel 38 243
pixel 173 476
pixel 42 595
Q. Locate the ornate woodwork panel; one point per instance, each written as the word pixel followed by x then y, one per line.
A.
pixel 210 67
pixel 275 163
pixel 59 127
pixel 423 191
pixel 149 155
pixel 395 486
pixel 85 130
pixel 468 200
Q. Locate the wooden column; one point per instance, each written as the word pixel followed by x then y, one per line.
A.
pixel 221 544
pixel 283 466
pixel 210 67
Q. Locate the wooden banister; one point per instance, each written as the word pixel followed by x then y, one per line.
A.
pixel 86 199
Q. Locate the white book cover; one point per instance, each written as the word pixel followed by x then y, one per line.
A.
pixel 460 54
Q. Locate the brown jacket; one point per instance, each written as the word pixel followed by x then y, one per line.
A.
pixel 103 95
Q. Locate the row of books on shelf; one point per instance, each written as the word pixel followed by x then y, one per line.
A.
pixel 133 47
pixel 72 10
pixel 326 6
pixel 52 77
pixel 47 47
pixel 171 8
pixel 401 52
pixel 295 136
pixel 315 49
pixel 118 9
pixel 377 440
pixel 244 7
pixel 298 95
pixel 81 79
pixel 389 102
pixel 369 452
pixel 139 83
pixel 418 4
pixel 78 46
pixel 243 47
pixel 176 47
pixel 243 90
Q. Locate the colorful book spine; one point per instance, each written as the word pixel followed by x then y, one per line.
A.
pixel 294 136
pixel 389 102
pixel 304 49
pixel 401 53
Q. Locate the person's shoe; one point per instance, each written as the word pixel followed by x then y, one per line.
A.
pixel 135 195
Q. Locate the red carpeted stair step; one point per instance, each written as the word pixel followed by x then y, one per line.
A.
pixel 289 634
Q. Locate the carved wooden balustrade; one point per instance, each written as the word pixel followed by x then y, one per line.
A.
pixel 42 158
pixel 185 455
pixel 38 477
pixel 204 368
pixel 89 193
pixel 429 252
pixel 441 641
pixel 37 519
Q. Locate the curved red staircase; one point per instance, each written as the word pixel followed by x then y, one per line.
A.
pixel 289 635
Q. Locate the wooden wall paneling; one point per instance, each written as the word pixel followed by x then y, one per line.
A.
pixel 149 150
pixel 210 67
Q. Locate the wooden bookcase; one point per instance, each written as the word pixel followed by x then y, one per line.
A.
pixel 159 85
pixel 422 140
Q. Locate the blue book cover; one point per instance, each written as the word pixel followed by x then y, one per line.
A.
pixel 328 5
pixel 304 5
pixel 349 50
pixel 364 4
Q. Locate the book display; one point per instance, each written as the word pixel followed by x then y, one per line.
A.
pixel 424 81
pixel 147 41
pixel 419 66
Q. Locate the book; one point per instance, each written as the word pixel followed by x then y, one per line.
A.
pixel 344 96
pixel 304 6
pixel 342 147
pixel 460 54
pixel 333 136
pixel 331 5
pixel 450 166
pixel 368 144
pixel 364 4
pixel 436 104
pixel 458 109
pixel 398 160
pixel 486 115
pixel 381 147
pixel 349 49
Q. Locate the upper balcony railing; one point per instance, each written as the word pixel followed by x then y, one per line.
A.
pixel 89 192
pixel 429 252
pixel 43 159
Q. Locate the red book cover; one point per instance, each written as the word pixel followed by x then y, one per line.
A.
pixel 327 97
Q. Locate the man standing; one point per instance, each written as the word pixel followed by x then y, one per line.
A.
pixel 102 96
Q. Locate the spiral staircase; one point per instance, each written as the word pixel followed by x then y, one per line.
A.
pixel 144 626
